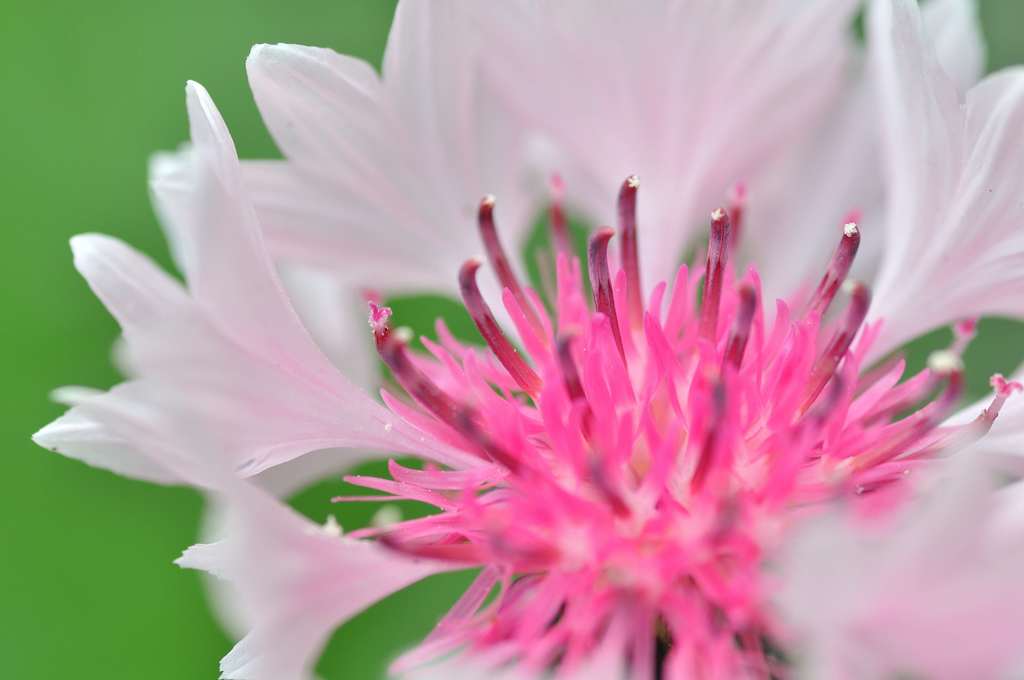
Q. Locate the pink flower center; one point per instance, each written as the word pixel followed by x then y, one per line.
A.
pixel 635 470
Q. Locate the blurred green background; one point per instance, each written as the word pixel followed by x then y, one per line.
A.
pixel 91 89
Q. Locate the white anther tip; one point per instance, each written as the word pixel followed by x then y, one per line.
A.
pixel 386 516
pixel 633 181
pixel 850 286
pixel 718 215
pixel 850 229
pixel 488 201
pixel 403 334
pixel 331 527
pixel 945 362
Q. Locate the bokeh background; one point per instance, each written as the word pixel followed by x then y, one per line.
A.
pixel 90 90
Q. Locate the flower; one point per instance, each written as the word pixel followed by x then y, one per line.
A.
pixel 627 484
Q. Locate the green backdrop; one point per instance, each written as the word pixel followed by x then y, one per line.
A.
pixel 90 89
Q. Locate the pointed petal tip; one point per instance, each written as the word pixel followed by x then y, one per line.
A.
pixel 47 437
pixel 89 243
pixel 264 56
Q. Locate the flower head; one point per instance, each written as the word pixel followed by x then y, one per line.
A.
pixel 636 470
pixel 626 459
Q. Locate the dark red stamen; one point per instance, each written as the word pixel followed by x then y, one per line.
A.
pixel 630 254
pixel 459 553
pixel 601 282
pixel 573 384
pixel 500 262
pixel 835 350
pixel 718 256
pixel 737 344
pixel 503 349
pixel 465 423
pixel 570 374
pixel 838 268
pixel 421 388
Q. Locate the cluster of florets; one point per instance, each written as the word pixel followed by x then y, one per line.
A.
pixel 643 459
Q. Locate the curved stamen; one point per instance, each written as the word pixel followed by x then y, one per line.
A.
pixel 825 366
pixel 392 349
pixel 963 333
pixel 838 268
pixel 718 256
pixel 737 344
pixel 1003 389
pixel 570 374
pixel 601 282
pixel 556 216
pixel 573 384
pixel 630 255
pixel 504 350
pixel 944 364
pixel 465 423
pixel 500 263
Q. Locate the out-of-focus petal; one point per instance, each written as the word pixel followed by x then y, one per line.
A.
pixel 954 30
pixel 1004 442
pixel 797 205
pixel 299 581
pixel 953 248
pixel 935 592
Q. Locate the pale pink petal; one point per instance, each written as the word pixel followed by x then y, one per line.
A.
pixel 935 593
pixel 299 582
pixel 265 409
pixel 693 97
pixel 954 30
pixel 78 436
pixel 230 350
pixel 797 205
pixel 606 662
pixel 384 174
pixel 335 315
pixel 953 248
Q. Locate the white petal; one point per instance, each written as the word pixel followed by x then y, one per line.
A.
pixel 953 247
pixel 384 175
pixel 797 204
pixel 692 97
pixel 78 436
pixel 336 317
pixel 954 29
pixel 320 106
pixel 299 583
pixel 266 407
pixel 230 352
pixel 351 234
pixel 936 594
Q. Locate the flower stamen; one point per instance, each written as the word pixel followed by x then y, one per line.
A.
pixel 503 349
pixel 718 256
pixel 630 255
